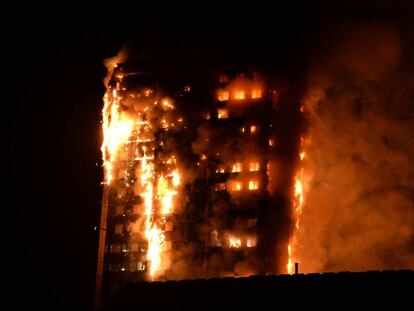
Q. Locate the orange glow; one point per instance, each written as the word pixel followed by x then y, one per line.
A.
pixel 234 242
pixel 253 129
pixel 251 242
pixel 239 94
pixel 256 93
pixel 298 202
pixel 237 186
pixel 128 129
pixel 253 185
pixel 236 168
pixel 223 95
pixel 222 114
pixel 271 142
pixel 254 166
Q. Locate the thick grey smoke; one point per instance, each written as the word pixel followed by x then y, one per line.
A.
pixel 359 202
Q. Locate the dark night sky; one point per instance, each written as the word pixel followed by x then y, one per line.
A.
pixel 54 65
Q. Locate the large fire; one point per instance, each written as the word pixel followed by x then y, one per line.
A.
pixel 297 211
pixel 128 155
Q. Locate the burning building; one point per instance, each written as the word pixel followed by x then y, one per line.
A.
pixel 193 178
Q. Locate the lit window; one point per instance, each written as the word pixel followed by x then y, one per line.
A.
pixel 239 94
pixel 237 186
pixel 256 93
pixel 125 248
pixel 271 142
pixel 242 129
pixel 251 242
pixel 234 242
pixel 254 166
pixel 187 88
pixel 253 129
pixel 253 185
pixel 220 186
pixel 236 168
pixel 223 79
pixel 140 266
pixel 223 95
pixel 220 170
pixel 119 229
pixel 222 114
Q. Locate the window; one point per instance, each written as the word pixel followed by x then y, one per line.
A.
pixel 119 229
pixel 140 266
pixel 253 129
pixel 236 168
pixel 220 170
pixel 254 166
pixel 253 185
pixel 223 95
pixel 187 88
pixel 220 186
pixel 239 95
pixel 222 114
pixel 251 241
pixel 256 93
pixel 125 247
pixel 237 186
pixel 271 142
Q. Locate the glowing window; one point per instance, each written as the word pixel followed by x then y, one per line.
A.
pixel 140 266
pixel 220 186
pixel 256 93
pixel 237 186
pixel 125 247
pixel 220 170
pixel 236 168
pixel 187 88
pixel 253 129
pixel 271 142
pixel 223 95
pixel 254 166
pixel 239 94
pixel 251 242
pixel 253 185
pixel 222 114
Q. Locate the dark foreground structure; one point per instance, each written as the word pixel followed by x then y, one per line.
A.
pixel 391 289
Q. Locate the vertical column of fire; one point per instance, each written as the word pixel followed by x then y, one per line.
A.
pixel 122 128
pixel 297 206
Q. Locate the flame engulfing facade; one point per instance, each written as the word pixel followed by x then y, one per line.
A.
pixel 194 182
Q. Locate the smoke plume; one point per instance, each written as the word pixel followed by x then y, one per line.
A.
pixel 359 202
